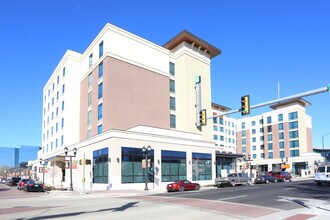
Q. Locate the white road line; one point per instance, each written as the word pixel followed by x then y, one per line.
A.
pixel 235 197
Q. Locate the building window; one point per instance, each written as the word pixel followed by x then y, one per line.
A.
pixel 201 166
pixel 253 123
pixel 90 80
pixel 293 115
pixel 269 128
pixel 172 69
pixel 58 80
pixel 261 130
pixel 294 153
pixel 293 134
pixel 270 137
pixel 269 119
pixel 99 129
pixel 62 123
pixel 57 95
pixel 244 133
pixel 90 98
pixel 280 126
pixel 262 155
pixel 100 166
pixel 243 125
pixel 89 133
pixel 56 127
pixel 215 137
pixel 56 111
pixel 262 138
pixel 282 154
pixel 56 143
pixel 63 88
pixel 254 156
pixel 174 165
pixel 101 70
pixel 281 135
pixel 62 140
pixel 270 146
pixel 281 144
pixel 261 121
pixel 172 86
pixel 99 115
pixel 253 131
pixel 293 125
pixel 172 121
pixel 280 117
pixel 243 149
pixel 254 148
pixel 101 49
pixel 254 140
pixel 131 165
pixel 62 105
pixel 63 72
pixel 222 138
pixel 270 155
pixel 89 117
pixel 215 128
pixel 90 60
pixel 294 144
pixel 172 103
pixel 244 141
pixel 100 91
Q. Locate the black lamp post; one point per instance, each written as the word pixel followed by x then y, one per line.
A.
pixel 44 164
pixel 146 151
pixel 66 150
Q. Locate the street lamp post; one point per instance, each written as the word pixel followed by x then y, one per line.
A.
pixel 66 150
pixel 146 151
pixel 248 163
pixel 323 154
pixel 44 164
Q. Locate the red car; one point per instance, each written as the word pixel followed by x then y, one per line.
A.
pixel 21 183
pixel 282 176
pixel 182 185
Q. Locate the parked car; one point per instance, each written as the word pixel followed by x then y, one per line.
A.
pixel 33 185
pixel 322 174
pixel 21 183
pixel 266 178
pixel 282 176
pixel 233 179
pixel 182 185
pixel 13 181
pixel 3 180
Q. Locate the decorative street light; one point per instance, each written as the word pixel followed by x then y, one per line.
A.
pixel 66 150
pixel 146 151
pixel 44 164
pixel 323 154
pixel 248 163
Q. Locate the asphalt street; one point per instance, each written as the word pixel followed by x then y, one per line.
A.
pixel 296 200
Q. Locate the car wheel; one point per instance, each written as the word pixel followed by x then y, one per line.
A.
pixel 319 183
pixel 198 187
pixel 181 189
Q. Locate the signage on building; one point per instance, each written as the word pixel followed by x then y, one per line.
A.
pixel 74 164
pixel 198 91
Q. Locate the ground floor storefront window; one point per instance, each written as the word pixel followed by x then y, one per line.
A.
pixel 131 166
pixel 100 166
pixel 226 164
pixel 201 166
pixel 174 165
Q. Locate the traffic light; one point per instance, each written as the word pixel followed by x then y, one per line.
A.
pixel 202 117
pixel 245 105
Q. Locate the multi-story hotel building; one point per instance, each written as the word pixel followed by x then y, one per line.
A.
pixel 124 93
pixel 278 140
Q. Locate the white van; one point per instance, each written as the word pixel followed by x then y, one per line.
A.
pixel 322 174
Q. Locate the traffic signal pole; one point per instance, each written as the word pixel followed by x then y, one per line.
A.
pixel 278 101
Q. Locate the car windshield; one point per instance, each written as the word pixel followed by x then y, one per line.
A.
pixel 321 169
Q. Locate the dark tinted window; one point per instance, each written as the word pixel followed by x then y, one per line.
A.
pixel 321 169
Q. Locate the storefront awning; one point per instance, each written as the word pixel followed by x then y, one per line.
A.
pixel 231 155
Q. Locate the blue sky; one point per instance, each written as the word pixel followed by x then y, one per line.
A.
pixel 262 43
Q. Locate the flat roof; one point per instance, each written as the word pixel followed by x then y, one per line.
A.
pixel 186 36
pixel 220 107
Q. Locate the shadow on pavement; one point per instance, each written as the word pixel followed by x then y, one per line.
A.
pixel 116 209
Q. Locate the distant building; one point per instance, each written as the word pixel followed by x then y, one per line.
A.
pixel 12 157
pixel 324 152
